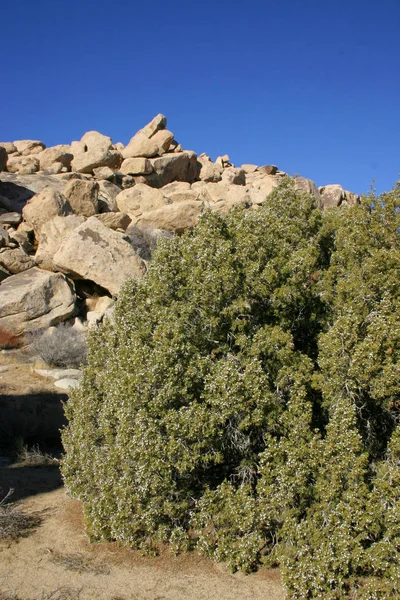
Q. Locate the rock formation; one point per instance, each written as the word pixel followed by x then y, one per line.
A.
pixel 84 216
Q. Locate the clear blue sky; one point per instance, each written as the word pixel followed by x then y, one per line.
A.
pixel 310 85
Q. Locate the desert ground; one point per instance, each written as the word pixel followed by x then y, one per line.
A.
pixel 49 557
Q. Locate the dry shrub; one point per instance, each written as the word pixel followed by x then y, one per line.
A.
pixel 34 457
pixel 79 563
pixel 65 346
pixel 14 524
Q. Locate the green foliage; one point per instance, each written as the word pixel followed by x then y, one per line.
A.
pixel 243 399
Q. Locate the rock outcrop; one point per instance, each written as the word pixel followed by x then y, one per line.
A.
pixel 35 300
pixel 92 211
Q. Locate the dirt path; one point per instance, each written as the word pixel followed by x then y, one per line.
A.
pixel 55 562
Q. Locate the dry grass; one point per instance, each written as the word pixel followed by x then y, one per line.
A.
pixel 64 347
pixel 79 563
pixel 62 593
pixel 34 457
pixel 14 523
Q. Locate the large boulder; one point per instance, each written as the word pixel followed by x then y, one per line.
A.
pixel 95 150
pixel 83 196
pixel 139 199
pixel 43 206
pixel 34 300
pixel 9 147
pixel 152 140
pixel 209 171
pixel 175 218
pixel 95 252
pixel 136 166
pixel 141 145
pixel 107 196
pixel 177 166
pixel 52 236
pixel 334 195
pixel 56 158
pixel 16 189
pixel 22 164
pixel 115 220
pixel 28 147
pixel 15 260
pixel 308 186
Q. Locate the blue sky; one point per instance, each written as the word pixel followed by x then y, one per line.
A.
pixel 310 85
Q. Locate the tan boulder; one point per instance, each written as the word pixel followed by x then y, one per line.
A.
pixel 9 147
pixel 139 199
pixel 97 152
pixel 115 220
pixel 22 164
pixel 141 145
pixel 95 252
pixel 249 168
pixel 43 206
pixel 27 147
pixel 15 260
pixel 158 123
pixel 209 171
pixel 176 217
pixel 308 186
pixel 104 173
pixel 107 196
pixel 51 237
pixel 233 176
pixel 136 166
pixel 16 188
pixel 33 300
pixel 331 195
pixel 268 169
pixel 179 191
pixel 177 166
pixel 60 154
pixel 83 196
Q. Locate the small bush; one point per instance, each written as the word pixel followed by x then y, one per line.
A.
pixel 14 524
pixel 63 347
pixel 34 457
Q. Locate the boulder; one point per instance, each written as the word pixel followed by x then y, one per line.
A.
pixel 9 147
pixel 136 166
pixel 95 252
pixel 56 158
pixel 334 195
pixel 115 220
pixel 28 147
pixel 22 164
pixel 4 238
pixel 83 196
pixel 107 196
pixel 35 300
pixel 3 158
pixel 249 168
pixel 308 186
pixel 43 206
pixel 158 123
pixel 66 384
pixel 24 239
pixel 178 166
pixel 97 152
pixel 15 260
pixel 141 145
pixel 104 173
pixel 233 176
pixel 179 191
pixel 16 189
pixel 51 237
pixel 268 169
pixel 139 199
pixel 10 218
pixel 209 171
pixel 175 217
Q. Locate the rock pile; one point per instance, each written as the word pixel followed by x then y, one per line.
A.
pixel 77 220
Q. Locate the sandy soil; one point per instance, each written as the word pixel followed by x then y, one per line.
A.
pixel 55 562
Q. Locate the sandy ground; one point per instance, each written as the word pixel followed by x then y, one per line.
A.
pixel 55 562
